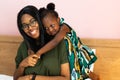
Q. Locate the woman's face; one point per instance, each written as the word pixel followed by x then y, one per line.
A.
pixel 51 25
pixel 30 26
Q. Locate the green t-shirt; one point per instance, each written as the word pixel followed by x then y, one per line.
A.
pixel 49 64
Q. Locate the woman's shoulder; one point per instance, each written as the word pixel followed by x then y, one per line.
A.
pixel 62 46
pixel 22 45
pixel 62 43
pixel 22 49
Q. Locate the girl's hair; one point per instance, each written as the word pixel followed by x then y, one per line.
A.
pixel 43 12
pixel 50 10
pixel 31 43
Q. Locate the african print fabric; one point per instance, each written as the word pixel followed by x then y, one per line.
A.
pixel 80 57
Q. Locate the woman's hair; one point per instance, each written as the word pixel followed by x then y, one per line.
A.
pixel 48 11
pixel 31 43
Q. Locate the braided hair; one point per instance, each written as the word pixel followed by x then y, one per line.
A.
pixel 48 11
pixel 31 43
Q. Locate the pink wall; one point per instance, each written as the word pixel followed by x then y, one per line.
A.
pixel 89 18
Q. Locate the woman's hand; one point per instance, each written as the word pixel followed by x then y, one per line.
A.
pixel 31 60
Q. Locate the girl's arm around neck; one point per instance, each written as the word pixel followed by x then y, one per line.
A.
pixel 54 42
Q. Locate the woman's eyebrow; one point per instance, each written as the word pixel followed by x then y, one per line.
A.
pixel 32 19
pixel 29 21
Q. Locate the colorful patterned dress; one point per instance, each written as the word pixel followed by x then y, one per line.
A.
pixel 80 56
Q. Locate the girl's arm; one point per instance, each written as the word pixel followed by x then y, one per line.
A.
pixel 59 36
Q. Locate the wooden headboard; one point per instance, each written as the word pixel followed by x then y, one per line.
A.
pixel 8 50
pixel 107 51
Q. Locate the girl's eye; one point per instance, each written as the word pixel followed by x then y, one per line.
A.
pixel 46 28
pixel 53 25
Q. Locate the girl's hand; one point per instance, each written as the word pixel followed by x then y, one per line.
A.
pixel 30 52
pixel 38 54
pixel 31 60
pixel 93 76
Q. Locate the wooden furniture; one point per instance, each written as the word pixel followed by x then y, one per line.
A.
pixel 107 51
pixel 8 50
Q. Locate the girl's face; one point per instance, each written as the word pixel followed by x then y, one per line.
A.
pixel 51 25
pixel 30 26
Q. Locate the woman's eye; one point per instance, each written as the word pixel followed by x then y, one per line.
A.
pixel 24 26
pixel 33 22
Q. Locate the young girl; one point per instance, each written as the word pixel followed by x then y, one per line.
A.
pixel 59 30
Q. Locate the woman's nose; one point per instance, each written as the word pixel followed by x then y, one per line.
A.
pixel 30 27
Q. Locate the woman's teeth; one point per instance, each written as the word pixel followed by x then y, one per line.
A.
pixel 33 32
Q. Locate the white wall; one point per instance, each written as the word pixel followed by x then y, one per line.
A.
pixel 89 18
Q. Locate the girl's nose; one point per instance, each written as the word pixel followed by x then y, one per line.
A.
pixel 50 29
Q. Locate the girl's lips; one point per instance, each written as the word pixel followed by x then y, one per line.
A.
pixel 53 33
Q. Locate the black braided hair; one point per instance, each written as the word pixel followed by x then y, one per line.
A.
pixel 51 6
pixel 50 10
pixel 31 43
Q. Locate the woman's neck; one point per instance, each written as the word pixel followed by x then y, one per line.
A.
pixel 37 41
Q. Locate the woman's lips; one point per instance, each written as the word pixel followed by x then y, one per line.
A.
pixel 33 32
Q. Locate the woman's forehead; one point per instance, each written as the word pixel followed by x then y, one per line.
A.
pixel 26 18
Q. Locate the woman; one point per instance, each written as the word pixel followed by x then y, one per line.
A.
pixel 52 65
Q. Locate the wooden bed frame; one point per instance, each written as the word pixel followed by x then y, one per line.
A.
pixel 107 50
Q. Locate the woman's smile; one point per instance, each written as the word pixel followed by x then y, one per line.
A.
pixel 33 32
